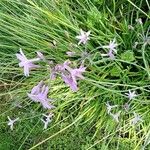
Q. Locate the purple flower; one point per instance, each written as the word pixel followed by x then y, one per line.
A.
pixel 76 73
pixel 69 81
pixel 53 74
pixel 56 70
pixel 27 64
pixel 112 46
pixel 68 74
pixel 83 37
pixel 39 94
pixel 111 55
pixel 112 49
pixel 59 68
pixel 131 95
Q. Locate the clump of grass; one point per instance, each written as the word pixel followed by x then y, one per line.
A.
pixel 35 25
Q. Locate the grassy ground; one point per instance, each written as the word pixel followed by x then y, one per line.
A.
pixel 81 120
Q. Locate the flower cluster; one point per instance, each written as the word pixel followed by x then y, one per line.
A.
pixel 39 92
pixel 70 75
pixel 46 120
pixel 130 95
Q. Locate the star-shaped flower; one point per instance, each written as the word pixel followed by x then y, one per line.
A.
pixel 109 107
pixel 131 95
pixel 112 46
pixel 11 122
pixel 39 94
pixel 27 64
pixel 47 120
pixel 83 37
pixel 136 119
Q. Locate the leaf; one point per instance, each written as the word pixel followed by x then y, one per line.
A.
pixel 128 56
pixel 115 71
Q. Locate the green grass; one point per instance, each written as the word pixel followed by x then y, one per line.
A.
pixel 81 120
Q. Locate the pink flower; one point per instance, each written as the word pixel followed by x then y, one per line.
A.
pixel 39 94
pixel 27 64
pixel 83 37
